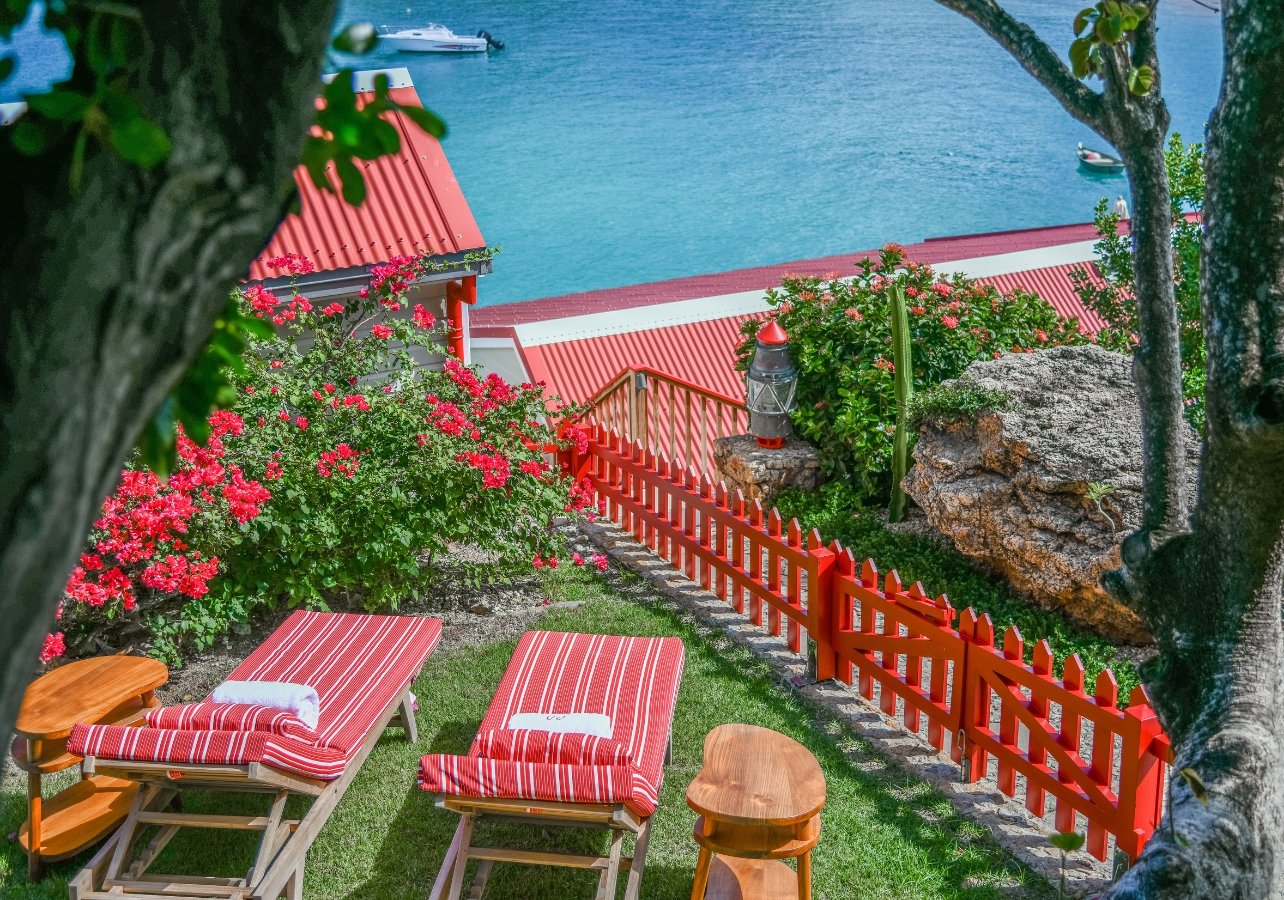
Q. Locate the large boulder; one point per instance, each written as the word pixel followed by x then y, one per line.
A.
pixel 1043 489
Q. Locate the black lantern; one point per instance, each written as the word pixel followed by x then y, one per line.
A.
pixel 771 384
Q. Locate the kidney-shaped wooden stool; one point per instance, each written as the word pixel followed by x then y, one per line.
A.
pixel 759 798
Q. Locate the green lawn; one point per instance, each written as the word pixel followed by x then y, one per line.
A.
pixel 886 834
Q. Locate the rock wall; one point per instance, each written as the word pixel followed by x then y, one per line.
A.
pixel 762 474
pixel 1012 488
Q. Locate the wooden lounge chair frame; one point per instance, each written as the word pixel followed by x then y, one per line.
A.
pixel 119 870
pixel 617 818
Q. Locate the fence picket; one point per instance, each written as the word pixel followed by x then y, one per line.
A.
pixel 1070 735
pixel 1035 796
pixel 1013 649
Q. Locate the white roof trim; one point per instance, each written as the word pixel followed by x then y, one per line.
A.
pixel 702 309
pixel 363 81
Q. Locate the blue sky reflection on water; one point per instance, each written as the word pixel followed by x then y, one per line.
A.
pixel 616 142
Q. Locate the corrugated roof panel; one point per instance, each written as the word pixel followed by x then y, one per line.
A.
pixel 701 352
pixel 414 206
pixel 1053 284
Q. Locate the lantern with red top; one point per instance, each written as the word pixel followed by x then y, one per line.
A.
pixel 771 384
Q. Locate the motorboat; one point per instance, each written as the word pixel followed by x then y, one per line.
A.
pixel 433 38
pixel 1101 163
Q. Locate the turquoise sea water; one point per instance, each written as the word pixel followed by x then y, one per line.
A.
pixel 616 142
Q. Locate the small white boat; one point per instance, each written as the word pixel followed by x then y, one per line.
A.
pixel 433 38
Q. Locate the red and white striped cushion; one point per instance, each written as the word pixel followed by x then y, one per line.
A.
pixel 632 680
pixel 230 717
pixel 232 748
pixel 359 664
pixel 532 745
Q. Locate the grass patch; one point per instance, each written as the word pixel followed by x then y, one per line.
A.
pixel 886 834
pixel 944 571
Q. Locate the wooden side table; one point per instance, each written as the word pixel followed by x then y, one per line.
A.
pixel 113 690
pixel 759 798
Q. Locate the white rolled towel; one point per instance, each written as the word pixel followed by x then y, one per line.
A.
pixel 300 699
pixel 595 724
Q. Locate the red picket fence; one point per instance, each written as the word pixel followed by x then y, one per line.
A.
pixel 1040 735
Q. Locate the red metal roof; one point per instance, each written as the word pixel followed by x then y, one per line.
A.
pixel 700 352
pixel 931 251
pixel 413 206
pixel 1053 284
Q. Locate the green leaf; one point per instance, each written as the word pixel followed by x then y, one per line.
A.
pixel 1141 79
pixel 1084 19
pixel 428 121
pixel 28 137
pixel 1067 841
pixel 125 42
pixel 1079 53
pixel 354 185
pixel 77 170
pixel 1110 28
pixel 359 38
pixel 141 141
pixel 60 103
pixel 1196 785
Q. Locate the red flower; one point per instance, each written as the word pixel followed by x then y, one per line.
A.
pixel 53 648
pixel 600 561
pixel 383 332
pixel 577 559
pixel 294 263
pixel 334 309
pixel 949 321
pixel 302 423
pixel 422 318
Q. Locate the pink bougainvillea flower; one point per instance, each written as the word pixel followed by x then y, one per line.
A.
pixel 422 318
pixel 54 647
pixel 600 562
pixel 294 263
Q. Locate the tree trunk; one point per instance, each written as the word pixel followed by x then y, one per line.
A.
pixel 1209 585
pixel 112 292
pixel 1214 594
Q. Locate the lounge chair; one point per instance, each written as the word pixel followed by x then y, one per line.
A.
pixel 361 666
pixel 576 780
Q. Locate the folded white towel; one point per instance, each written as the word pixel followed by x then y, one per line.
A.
pixel 595 724
pixel 300 699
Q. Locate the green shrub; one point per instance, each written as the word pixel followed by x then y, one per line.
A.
pixel 952 401
pixel 945 571
pixel 841 338
pixel 1113 298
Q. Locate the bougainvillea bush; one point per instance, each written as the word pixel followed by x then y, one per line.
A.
pixel 347 471
pixel 840 335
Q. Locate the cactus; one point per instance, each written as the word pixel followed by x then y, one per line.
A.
pixel 904 375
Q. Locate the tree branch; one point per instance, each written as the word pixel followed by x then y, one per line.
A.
pixel 1037 58
pixel 111 293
